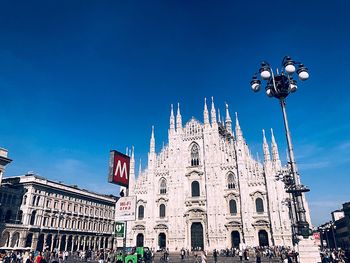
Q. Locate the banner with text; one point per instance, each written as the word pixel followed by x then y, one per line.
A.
pixel 126 209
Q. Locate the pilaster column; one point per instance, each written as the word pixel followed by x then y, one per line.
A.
pixel 22 239
pixel 10 239
pixel 110 245
pixel 84 243
pixel 52 240
pixel 66 244
pixel 59 239
pixel 34 241
pixel 73 243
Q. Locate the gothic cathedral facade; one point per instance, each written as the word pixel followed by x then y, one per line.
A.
pixel 205 190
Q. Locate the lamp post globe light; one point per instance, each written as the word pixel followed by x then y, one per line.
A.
pixel 279 86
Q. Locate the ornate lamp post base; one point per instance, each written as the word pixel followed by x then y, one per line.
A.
pixel 308 251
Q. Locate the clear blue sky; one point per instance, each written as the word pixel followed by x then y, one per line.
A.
pixel 78 78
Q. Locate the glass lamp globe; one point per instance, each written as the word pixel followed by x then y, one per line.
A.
pixel 269 92
pixel 265 74
pixel 293 87
pixel 255 87
pixel 303 75
pixel 290 68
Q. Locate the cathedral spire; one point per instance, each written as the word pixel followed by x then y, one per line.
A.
pixel 266 148
pixel 132 169
pixel 140 168
pixel 219 115
pixel 172 119
pixel 213 112
pixel 274 148
pixel 178 119
pixel 228 120
pixel 239 134
pixel 152 148
pixel 132 154
pixel 205 113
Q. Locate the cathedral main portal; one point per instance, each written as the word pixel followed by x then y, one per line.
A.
pixel 197 236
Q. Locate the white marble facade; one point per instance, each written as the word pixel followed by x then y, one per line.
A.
pixel 205 189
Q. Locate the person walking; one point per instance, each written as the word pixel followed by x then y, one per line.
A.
pixel 258 256
pixel 240 254
pixel 215 255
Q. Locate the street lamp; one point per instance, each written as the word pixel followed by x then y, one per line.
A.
pixel 280 86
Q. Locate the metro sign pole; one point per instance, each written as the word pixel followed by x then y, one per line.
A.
pixel 119 171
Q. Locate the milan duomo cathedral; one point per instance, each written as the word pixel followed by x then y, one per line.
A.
pixel 205 190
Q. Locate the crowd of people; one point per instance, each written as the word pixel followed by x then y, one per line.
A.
pixel 55 257
pixel 286 254
pixel 246 254
pixel 334 256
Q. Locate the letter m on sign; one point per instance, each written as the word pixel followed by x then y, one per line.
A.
pixel 119 168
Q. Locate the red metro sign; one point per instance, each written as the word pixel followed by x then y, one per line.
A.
pixel 119 168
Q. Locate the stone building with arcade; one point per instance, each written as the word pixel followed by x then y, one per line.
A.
pixel 204 189
pixel 38 213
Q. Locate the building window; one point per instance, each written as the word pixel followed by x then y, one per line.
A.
pixel 55 205
pixel 45 221
pixel 8 216
pixel 141 212
pixel 19 217
pixel 32 218
pixel 195 155
pixel 162 211
pixel 33 201
pixel 233 207
pixel 195 189
pixel 24 200
pixel 259 205
pixel 162 188
pixel 231 181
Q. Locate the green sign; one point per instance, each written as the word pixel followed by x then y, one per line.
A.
pixel 119 229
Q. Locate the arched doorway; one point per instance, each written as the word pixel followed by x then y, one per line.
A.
pixel 63 243
pixel 263 238
pixel 29 240
pixel 235 239
pixel 162 240
pixel 15 240
pixel 197 236
pixel 69 243
pixel 55 242
pixel 48 241
pixel 5 239
pixel 106 243
pixel 139 240
pixel 40 244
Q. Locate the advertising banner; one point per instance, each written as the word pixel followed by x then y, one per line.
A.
pixel 119 168
pixel 126 209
